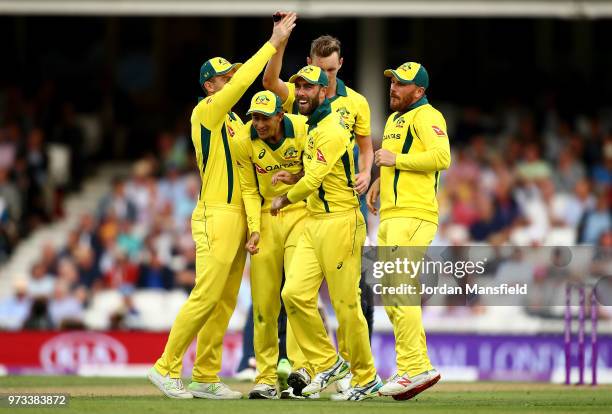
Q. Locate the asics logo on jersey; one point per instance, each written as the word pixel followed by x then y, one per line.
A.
pixel 339 266
pixel 262 153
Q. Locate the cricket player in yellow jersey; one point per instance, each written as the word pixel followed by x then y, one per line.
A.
pixel 330 248
pixel 415 149
pixel 218 226
pixel 325 52
pixel 272 141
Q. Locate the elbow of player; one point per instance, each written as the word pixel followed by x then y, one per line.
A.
pixel 267 81
pixel 445 160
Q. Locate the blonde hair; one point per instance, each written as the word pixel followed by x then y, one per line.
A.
pixel 324 46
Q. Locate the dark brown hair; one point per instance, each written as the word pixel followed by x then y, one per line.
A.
pixel 324 46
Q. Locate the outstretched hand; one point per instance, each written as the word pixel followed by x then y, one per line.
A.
pixel 282 29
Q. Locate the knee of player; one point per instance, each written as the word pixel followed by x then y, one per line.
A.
pixel 290 295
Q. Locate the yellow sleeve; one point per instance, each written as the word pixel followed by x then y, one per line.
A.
pixel 214 108
pixel 362 120
pixel 327 151
pixel 248 181
pixel 288 104
pixel 430 128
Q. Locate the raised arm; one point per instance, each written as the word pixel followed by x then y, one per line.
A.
pixel 215 107
pixel 271 77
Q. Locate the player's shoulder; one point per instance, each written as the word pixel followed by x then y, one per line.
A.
pixel 297 119
pixel 428 111
pixel 354 95
pixel 245 133
pixel 333 125
pixel 200 107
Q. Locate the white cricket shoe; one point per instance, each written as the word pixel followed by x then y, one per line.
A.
pixel 345 383
pixel 325 378
pixel 402 387
pixel 213 391
pixel 360 393
pixel 171 387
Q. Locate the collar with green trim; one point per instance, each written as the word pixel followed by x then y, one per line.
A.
pixel 321 112
pixel 340 88
pixel 420 102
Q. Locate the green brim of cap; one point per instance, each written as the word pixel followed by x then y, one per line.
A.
pixel 259 111
pixel 393 73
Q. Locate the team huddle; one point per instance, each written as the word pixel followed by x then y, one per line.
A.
pixel 283 188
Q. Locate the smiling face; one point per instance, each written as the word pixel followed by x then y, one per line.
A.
pixel 308 96
pixel 403 95
pixel 267 127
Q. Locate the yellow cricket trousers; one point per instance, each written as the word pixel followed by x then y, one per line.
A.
pixel 330 248
pixel 410 342
pixel 278 239
pixel 219 232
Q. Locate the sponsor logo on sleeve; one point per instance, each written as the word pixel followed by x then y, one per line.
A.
pixel 320 156
pixel 439 132
pixel 259 169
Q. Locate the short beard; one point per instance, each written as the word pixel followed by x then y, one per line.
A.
pixel 313 104
pixel 405 103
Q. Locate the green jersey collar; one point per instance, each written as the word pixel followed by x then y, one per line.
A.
pixel 340 90
pixel 321 112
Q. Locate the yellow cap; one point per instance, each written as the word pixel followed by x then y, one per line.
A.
pixel 266 103
pixel 215 67
pixel 311 74
pixel 410 72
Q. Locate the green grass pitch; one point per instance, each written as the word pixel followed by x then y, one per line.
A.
pixel 135 396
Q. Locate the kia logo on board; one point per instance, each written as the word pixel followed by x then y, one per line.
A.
pixel 67 352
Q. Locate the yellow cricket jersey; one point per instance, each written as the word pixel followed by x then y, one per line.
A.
pixel 258 161
pixel 328 165
pixel 419 139
pixel 352 106
pixel 213 130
